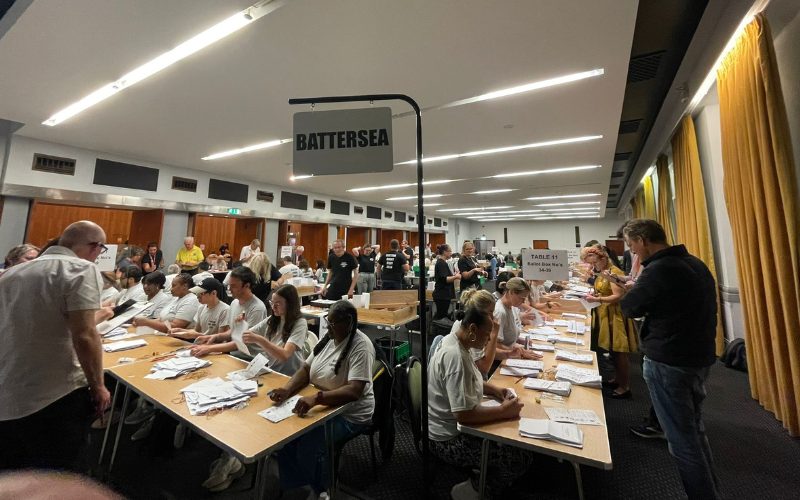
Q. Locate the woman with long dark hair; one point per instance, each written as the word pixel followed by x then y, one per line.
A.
pixel 444 290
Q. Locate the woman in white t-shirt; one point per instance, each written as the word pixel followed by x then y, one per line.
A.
pixel 455 391
pixel 341 368
pixel 177 314
pixel 282 335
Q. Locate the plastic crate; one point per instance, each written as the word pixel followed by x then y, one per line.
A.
pixel 395 356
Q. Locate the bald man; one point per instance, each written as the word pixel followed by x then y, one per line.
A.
pixel 189 256
pixel 51 370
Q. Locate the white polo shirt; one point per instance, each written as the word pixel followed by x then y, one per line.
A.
pixel 38 364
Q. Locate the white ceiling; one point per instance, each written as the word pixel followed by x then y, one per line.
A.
pixel 235 92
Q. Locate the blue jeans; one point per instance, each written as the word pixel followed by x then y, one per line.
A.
pixel 305 460
pixel 677 393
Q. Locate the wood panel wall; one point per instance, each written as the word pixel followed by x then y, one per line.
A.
pixel 47 221
pixel 357 236
pixel 436 239
pixel 387 235
pixel 246 230
pixel 312 236
pixel 146 226
pixel 213 232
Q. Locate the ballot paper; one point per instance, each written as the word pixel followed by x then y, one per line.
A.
pixel 543 347
pixel 581 417
pixel 568 340
pixel 568 434
pixel 589 305
pixel 215 393
pixel 238 329
pixel 573 315
pixel 176 366
pixel 490 403
pixel 545 330
pixel 124 345
pixel 256 367
pixel 580 288
pixel 540 338
pixel 574 356
pixel 579 376
pixel 282 411
pixel 513 371
pixel 537 384
pixel 557 322
pixel 525 363
pixel 106 326
pixel 115 333
pixel 576 327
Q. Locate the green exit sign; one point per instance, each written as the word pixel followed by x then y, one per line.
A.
pixel 234 211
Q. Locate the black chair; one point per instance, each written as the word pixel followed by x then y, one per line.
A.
pixel 412 373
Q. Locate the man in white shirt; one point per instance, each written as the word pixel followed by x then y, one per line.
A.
pixel 245 307
pixel 250 251
pixel 288 268
pixel 211 316
pixel 132 288
pixel 45 404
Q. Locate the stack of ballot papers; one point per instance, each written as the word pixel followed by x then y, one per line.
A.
pixel 568 340
pixel 525 363
pixel 574 356
pixel 215 393
pixel 573 315
pixel 124 345
pixel 256 367
pixel 568 434
pixel 177 366
pixel 115 332
pixel 557 322
pixel 579 376
pixel 581 417
pixel 543 347
pixel 578 327
pixel 282 411
pixel 522 368
pixel 556 387
pixel 545 330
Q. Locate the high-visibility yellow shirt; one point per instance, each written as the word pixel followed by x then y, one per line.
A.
pixel 194 255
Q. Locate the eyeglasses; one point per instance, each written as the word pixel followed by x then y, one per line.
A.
pixel 97 244
pixel 331 323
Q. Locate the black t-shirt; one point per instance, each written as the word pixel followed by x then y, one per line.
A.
pixel 263 288
pixel 341 269
pixel 147 260
pixel 392 266
pixel 468 264
pixel 366 263
pixel 443 290
pixel 409 253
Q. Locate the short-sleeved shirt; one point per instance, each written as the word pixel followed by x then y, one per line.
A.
pixel 509 332
pixel 290 269
pixel 157 303
pixel 442 289
pixel 409 253
pixel 147 259
pixel 392 263
pixel 248 251
pixel 195 255
pixel 357 365
pixel 297 336
pixel 454 384
pixel 182 308
pixel 254 311
pixel 341 269
pixel 366 263
pixel 207 321
pixel 136 293
pixel 468 264
pixel 38 364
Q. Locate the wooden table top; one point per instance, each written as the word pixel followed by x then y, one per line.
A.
pixel 157 345
pixel 242 432
pixel 596 451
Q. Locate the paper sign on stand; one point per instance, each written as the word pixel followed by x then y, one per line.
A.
pixel 106 262
pixel 286 251
pixel 545 264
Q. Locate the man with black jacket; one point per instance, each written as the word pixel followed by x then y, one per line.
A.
pixel 676 294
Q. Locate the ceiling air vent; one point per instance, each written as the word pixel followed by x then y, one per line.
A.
pixel 644 67
pixel 319 204
pixel 358 210
pixel 387 214
pixel 617 174
pixel 184 184
pixel 265 196
pixel 629 126
pixel 53 164
pixel 622 156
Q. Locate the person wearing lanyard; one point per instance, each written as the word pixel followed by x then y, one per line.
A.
pixel 366 268
pixel 468 267
pixel 342 273
pixel 444 290
pixel 153 260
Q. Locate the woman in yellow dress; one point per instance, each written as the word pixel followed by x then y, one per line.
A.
pixel 615 333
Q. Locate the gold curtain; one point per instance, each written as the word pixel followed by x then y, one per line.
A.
pixel 691 213
pixel 648 193
pixel 761 195
pixel 664 214
pixel 638 204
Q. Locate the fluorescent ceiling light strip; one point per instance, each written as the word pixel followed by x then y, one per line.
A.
pixel 546 171
pixel 473 208
pixel 567 204
pixel 246 149
pixel 399 198
pixel 431 205
pixel 556 197
pixel 300 177
pixel 573 209
pixel 519 89
pixel 494 220
pixel 505 149
pixel 492 191
pixel 397 186
pixel 182 51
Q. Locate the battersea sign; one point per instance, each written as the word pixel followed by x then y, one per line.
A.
pixel 545 265
pixel 347 141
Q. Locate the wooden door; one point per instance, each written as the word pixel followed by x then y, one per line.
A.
pixel 357 236
pixel 314 239
pixel 245 231
pixel 541 244
pixel 146 226
pixel 413 239
pixel 387 235
pixel 618 246
pixel 47 221
pixel 212 231
pixel 436 239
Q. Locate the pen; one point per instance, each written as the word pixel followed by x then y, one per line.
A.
pixel 519 379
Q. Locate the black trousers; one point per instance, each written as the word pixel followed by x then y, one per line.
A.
pixel 54 437
pixel 442 308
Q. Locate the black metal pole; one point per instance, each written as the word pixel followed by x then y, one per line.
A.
pixel 423 320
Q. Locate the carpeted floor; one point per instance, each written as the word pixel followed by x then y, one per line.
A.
pixel 755 458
